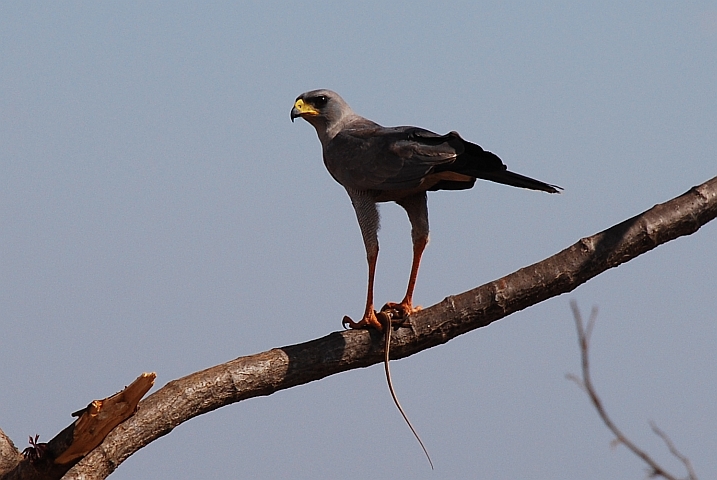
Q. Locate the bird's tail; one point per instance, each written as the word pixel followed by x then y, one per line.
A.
pixel 518 180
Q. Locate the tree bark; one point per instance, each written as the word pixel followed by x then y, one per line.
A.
pixel 281 368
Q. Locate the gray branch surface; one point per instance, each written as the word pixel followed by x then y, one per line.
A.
pixel 281 368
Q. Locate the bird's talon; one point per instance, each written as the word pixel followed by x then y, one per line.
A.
pixel 369 321
pixel 350 324
pixel 400 310
pixel 347 322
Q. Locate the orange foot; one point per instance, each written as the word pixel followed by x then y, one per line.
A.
pixel 400 310
pixel 375 320
pixel 369 320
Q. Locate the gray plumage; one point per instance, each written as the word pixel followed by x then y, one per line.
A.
pixel 379 164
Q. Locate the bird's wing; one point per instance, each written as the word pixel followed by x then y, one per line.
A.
pixel 371 157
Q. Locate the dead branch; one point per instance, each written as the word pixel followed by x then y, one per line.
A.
pixel 50 461
pixel 655 470
pixel 281 368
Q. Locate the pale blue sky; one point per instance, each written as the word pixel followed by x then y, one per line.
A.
pixel 160 212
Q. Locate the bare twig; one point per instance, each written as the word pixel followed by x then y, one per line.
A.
pixel 691 475
pixel 655 470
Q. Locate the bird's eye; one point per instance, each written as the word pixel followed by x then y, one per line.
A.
pixel 320 101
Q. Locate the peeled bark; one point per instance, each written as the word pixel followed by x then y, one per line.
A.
pixel 51 460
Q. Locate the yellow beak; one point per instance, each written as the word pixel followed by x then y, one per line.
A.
pixel 302 108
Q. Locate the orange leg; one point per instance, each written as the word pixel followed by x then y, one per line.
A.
pixel 368 219
pixel 369 316
pixel 405 308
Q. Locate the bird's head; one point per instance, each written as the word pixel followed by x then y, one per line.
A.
pixel 323 109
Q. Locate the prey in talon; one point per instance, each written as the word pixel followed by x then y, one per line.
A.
pixel 378 164
pixel 389 312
